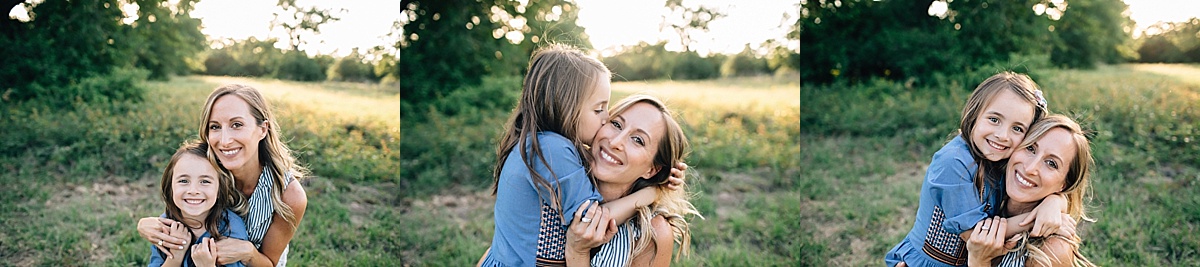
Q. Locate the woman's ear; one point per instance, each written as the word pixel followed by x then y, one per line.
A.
pixel 264 129
pixel 651 172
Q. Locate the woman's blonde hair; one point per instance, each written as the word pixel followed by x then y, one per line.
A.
pixel 560 78
pixel 273 154
pixel 1019 84
pixel 227 197
pixel 1075 185
pixel 671 204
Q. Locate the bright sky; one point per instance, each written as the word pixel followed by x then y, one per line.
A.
pixel 611 23
pixel 364 24
pixel 1148 12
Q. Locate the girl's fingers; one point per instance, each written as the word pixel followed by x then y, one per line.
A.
pixel 579 213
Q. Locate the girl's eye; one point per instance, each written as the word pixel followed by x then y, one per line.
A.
pixel 182 181
pixel 993 120
pixel 1018 129
pixel 638 140
pixel 205 181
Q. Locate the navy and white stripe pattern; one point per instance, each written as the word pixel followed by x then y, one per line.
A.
pixel 1015 258
pixel 618 251
pixel 941 245
pixel 260 210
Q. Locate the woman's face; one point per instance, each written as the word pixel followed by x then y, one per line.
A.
pixel 1001 125
pixel 194 184
pixel 625 147
pixel 233 133
pixel 1039 170
pixel 594 111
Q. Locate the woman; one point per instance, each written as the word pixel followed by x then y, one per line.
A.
pixel 1055 158
pixel 244 136
pixel 633 151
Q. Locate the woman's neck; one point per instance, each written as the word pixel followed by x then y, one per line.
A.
pixel 1016 208
pixel 612 191
pixel 246 177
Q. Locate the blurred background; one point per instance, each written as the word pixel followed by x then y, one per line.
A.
pixel 95 95
pixel 884 83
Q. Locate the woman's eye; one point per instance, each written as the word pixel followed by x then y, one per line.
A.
pixel 213 127
pixel 1029 148
pixel 638 140
pixel 237 125
pixel 616 124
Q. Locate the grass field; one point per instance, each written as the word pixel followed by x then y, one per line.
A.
pixel 77 178
pixel 743 132
pixel 860 187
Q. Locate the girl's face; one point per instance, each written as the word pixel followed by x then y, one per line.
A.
pixel 194 186
pixel 626 145
pixel 1038 170
pixel 1001 125
pixel 594 111
pixel 233 133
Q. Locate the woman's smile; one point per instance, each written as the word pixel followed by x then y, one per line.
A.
pixel 608 157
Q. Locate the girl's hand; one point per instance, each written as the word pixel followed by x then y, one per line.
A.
pixel 231 250
pixel 590 229
pixel 155 229
pixel 987 241
pixel 676 180
pixel 203 254
pixel 180 231
pixel 1046 217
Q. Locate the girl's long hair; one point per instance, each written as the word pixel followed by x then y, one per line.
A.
pixel 671 204
pixel 273 154
pixel 227 195
pixel 1019 84
pixel 552 95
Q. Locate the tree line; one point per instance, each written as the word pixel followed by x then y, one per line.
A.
pixel 91 50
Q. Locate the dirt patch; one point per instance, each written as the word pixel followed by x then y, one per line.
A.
pixel 456 205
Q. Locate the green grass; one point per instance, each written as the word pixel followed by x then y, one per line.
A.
pixel 862 185
pixel 743 167
pixel 77 178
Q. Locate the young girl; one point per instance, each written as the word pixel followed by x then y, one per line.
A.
pixel 202 199
pixel 958 192
pixel 540 179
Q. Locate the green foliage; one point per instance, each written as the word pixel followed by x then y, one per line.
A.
pixel 745 63
pixel 652 61
pixel 297 66
pixel 352 68
pixel 164 36
pixel 1174 43
pixel 452 44
pixel 899 40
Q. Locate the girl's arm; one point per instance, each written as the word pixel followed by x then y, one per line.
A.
pixel 623 208
pixel 278 235
pixel 1048 215
pixel 154 229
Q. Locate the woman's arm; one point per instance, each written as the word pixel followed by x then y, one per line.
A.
pixel 154 229
pixel 278 235
pixel 583 236
pixel 659 252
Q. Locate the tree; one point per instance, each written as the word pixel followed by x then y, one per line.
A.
pixel 164 37
pixel 1091 32
pixel 1159 49
pixel 303 20
pixel 684 20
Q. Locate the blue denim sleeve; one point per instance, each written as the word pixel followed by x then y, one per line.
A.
pixel 953 188
pixel 157 258
pixel 572 182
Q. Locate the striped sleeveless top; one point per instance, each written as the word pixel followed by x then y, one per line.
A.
pixel 259 211
pixel 618 251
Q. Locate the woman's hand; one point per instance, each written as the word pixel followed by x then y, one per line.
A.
pixel 987 241
pixel 155 229
pixel 230 250
pixel 676 180
pixel 590 229
pixel 204 254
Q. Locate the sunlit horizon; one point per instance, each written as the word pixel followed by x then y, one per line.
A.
pixel 1146 13
pixel 364 24
pixel 615 23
